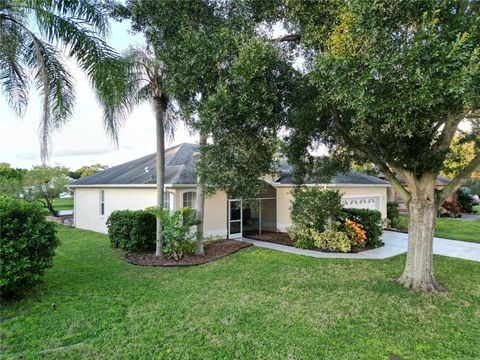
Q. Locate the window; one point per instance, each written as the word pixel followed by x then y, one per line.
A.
pixel 102 202
pixel 190 199
pixel 167 200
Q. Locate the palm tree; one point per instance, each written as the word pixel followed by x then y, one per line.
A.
pixel 144 82
pixel 30 31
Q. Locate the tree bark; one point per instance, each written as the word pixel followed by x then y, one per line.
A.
pixel 422 208
pixel 200 202
pixel 160 168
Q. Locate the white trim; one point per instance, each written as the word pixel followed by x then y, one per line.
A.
pixel 275 185
pixel 219 232
pixel 101 202
pixel 335 185
pixel 74 208
pixel 187 191
pixel 239 234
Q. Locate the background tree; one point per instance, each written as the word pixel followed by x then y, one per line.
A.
pixel 461 153
pixel 144 81
pixel 87 170
pixel 11 180
pixel 29 33
pixel 45 184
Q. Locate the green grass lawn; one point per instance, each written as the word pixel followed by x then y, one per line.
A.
pixel 453 229
pixel 63 204
pixel 254 304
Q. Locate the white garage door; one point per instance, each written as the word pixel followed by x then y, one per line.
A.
pixel 362 202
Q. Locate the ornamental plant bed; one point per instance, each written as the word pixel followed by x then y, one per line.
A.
pixel 284 239
pixel 213 251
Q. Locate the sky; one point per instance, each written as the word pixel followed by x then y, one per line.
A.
pixel 83 140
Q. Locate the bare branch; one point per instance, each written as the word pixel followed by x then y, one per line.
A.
pixel 288 38
pixel 448 132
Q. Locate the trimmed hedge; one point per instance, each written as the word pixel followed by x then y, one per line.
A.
pixel 371 221
pixel 314 207
pixel 132 230
pixel 27 245
pixel 392 211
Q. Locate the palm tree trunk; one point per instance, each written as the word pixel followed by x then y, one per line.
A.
pixel 200 201
pixel 160 168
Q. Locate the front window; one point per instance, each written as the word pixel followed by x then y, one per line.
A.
pixel 167 200
pixel 102 202
pixel 190 199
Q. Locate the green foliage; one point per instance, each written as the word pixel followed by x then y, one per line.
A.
pixel 392 212
pixel 465 200
pixel 178 238
pixel 309 238
pixel 315 208
pixel 302 236
pixel 132 230
pixel 45 184
pixel 371 220
pixel 27 245
pixel 11 180
pixel 333 240
pixel 87 170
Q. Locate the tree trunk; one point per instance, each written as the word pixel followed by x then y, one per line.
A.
pixel 422 208
pixel 200 202
pixel 160 168
pixel 49 205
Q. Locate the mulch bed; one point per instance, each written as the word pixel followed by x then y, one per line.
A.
pixel 213 251
pixel 284 239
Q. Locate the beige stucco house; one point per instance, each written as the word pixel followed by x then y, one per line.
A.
pixel 132 186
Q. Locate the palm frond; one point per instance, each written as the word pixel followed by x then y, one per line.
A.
pixel 55 84
pixel 13 77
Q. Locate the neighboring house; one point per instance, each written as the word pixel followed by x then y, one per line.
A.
pixel 393 195
pixel 132 186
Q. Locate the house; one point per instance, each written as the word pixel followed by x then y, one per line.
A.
pixel 393 195
pixel 132 185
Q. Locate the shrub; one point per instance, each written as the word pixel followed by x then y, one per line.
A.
pixel 371 221
pixel 355 232
pixel 27 245
pixel 314 207
pixel 132 230
pixel 178 239
pixel 392 212
pixel 333 240
pixel 302 237
pixel 465 200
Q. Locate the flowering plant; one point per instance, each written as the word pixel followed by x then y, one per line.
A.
pixel 355 232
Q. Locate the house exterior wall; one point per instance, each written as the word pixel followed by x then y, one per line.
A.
pixel 284 197
pixel 87 206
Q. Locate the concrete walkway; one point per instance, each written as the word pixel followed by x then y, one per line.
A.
pixel 395 244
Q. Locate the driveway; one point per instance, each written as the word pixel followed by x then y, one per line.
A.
pixel 395 244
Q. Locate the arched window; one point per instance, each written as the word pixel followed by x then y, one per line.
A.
pixel 190 199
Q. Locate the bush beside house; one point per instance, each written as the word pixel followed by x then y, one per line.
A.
pixel 27 245
pixel 321 222
pixel 134 230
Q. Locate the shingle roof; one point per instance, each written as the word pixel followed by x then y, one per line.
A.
pixel 180 169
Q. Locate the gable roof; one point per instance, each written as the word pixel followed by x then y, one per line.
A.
pixel 180 169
